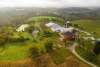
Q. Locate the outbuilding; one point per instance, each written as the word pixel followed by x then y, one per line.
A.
pixel 22 28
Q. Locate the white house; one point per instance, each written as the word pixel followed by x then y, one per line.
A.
pixel 22 28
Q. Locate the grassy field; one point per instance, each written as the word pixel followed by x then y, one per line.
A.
pixel 90 26
pixel 15 51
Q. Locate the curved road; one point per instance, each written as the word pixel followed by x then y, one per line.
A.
pixel 72 49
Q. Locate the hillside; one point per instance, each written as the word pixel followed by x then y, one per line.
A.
pixel 44 49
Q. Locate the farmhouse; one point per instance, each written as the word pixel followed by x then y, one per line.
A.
pixel 66 32
pixel 57 28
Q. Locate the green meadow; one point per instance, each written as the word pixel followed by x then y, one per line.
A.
pixel 90 26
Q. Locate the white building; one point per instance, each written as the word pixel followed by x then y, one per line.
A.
pixel 22 28
pixel 57 28
pixel 54 27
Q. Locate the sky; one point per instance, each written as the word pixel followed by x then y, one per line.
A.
pixel 49 3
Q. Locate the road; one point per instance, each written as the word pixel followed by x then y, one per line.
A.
pixel 72 49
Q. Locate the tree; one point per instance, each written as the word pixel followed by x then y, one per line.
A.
pixel 97 48
pixel 4 37
pixel 76 25
pixel 2 40
pixel 30 29
pixel 6 33
pixel 49 46
pixel 91 56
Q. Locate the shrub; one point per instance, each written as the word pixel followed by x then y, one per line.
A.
pixel 34 51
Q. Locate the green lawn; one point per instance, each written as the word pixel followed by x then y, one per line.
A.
pixel 90 26
pixel 15 51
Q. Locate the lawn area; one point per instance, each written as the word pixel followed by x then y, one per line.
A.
pixel 90 26
pixel 15 51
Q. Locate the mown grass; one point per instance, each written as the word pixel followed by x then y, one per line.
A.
pixel 15 51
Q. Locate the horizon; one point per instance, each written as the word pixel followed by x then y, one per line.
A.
pixel 50 3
